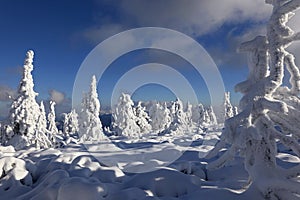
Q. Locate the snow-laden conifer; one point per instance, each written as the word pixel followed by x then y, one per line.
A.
pixel 25 111
pixel 266 104
pixel 142 118
pixel 90 126
pixel 124 118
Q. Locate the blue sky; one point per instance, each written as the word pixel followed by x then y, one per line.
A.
pixel 63 32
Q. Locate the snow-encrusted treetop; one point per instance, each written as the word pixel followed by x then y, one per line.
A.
pixel 26 85
pixel 94 105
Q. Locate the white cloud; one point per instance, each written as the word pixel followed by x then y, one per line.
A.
pixel 56 96
pixel 193 17
pixel 6 93
pixel 97 34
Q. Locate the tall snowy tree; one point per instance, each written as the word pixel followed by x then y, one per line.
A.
pixel 90 126
pixel 124 119
pixel 52 128
pixel 142 118
pixel 160 117
pixel 70 123
pixel 25 111
pixel 265 105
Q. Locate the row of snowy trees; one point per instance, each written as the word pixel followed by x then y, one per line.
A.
pixel 28 125
pixel 162 118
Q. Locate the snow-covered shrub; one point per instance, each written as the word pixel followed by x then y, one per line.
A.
pixel 142 118
pixel 124 118
pixel 266 105
pixel 90 126
pixel 160 117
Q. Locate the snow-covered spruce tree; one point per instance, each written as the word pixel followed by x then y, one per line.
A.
pixel 52 128
pixel 212 116
pixel 40 137
pixel 124 119
pixel 160 117
pixel 189 113
pixel 142 118
pixel 25 111
pixel 178 124
pixel 229 109
pixel 264 106
pixel 71 126
pixel 198 114
pixel 206 118
pixel 90 126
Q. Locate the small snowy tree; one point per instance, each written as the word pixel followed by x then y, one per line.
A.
pixel 189 113
pixel 264 106
pixel 160 117
pixel 25 111
pixel 52 129
pixel 70 123
pixel 178 125
pixel 142 118
pixel 212 116
pixel 206 118
pixel 40 137
pixel 198 114
pixel 229 109
pixel 124 119
pixel 90 126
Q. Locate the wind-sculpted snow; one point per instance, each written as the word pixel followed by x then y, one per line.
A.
pixel 72 173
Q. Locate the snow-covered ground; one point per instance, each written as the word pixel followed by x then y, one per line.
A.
pixel 153 167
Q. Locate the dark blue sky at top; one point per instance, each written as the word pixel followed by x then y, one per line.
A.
pixel 56 30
